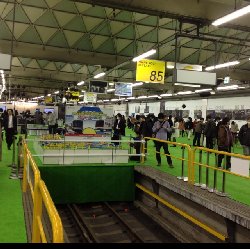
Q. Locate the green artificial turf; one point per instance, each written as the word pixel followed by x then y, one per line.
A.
pixel 12 224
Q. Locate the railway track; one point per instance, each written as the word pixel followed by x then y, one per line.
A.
pixel 110 223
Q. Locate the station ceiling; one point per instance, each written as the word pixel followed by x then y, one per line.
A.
pixel 54 42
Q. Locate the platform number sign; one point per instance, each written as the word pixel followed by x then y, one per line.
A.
pixel 150 71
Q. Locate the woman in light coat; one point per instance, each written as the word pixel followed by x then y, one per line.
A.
pixel 176 132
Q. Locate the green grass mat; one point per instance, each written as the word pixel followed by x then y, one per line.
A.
pixel 12 224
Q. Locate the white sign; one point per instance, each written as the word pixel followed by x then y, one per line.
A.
pixel 240 166
pixel 90 97
pixel 185 66
pixel 5 61
pixel 195 77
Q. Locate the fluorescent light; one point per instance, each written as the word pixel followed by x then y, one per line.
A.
pixel 99 75
pixel 153 96
pixel 241 87
pixel 228 64
pixel 106 100
pixel 99 101
pixel 137 84
pixel 188 85
pixel 80 83
pixel 42 96
pixel 111 83
pixel 113 100
pixel 232 87
pixel 203 90
pixel 185 93
pixel 232 16
pixel 56 92
pixel 80 96
pixel 110 90
pixel 83 91
pixel 166 95
pixel 213 92
pixel 49 95
pixel 145 55
pixel 131 98
pixel 170 66
pixel 142 97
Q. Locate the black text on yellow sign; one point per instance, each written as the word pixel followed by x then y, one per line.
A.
pixel 150 71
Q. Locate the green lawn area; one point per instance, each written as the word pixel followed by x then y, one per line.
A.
pixel 12 224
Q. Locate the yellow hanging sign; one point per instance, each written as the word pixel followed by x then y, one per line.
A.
pixel 150 71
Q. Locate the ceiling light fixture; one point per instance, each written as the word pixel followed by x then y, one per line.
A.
pixel 49 95
pixel 142 97
pixel 170 66
pixel 203 90
pixel 137 84
pixel 228 64
pixel 153 96
pixel 232 87
pixel 166 95
pixel 106 100
pixel 110 90
pixel 131 98
pixel 56 92
pixel 145 55
pixel 185 93
pixel 188 85
pixel 232 16
pixel 80 83
pixel 99 75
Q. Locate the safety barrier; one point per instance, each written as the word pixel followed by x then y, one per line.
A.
pixel 40 197
pixel 183 214
pixel 63 151
pixel 215 169
pixel 188 160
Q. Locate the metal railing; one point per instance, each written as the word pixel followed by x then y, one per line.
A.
pixel 40 195
pixel 188 160
pixel 184 214
pixel 215 169
pixel 71 151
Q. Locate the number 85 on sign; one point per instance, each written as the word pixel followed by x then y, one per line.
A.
pixel 150 71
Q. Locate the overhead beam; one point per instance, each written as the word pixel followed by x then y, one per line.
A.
pixel 145 7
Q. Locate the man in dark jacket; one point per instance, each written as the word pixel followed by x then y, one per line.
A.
pixel 244 137
pixel 210 132
pixel 225 141
pixel 197 132
pixel 119 128
pixel 10 126
pixel 145 129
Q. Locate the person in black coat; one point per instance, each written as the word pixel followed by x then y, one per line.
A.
pixel 119 128
pixel 244 137
pixel 10 126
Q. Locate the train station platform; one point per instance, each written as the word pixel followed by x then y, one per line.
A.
pixel 12 225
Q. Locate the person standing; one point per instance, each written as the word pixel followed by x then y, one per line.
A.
pixel 225 141
pixel 51 123
pixel 244 137
pixel 10 126
pixel 119 128
pixel 182 127
pixel 161 129
pixel 175 130
pixel 189 127
pixel 197 132
pixel 234 130
pixel 210 132
pixel 171 124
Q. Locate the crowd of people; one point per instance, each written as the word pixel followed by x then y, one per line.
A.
pixel 212 133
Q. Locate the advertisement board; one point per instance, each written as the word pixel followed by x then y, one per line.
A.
pixel 98 86
pixel 123 89
pixel 90 97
